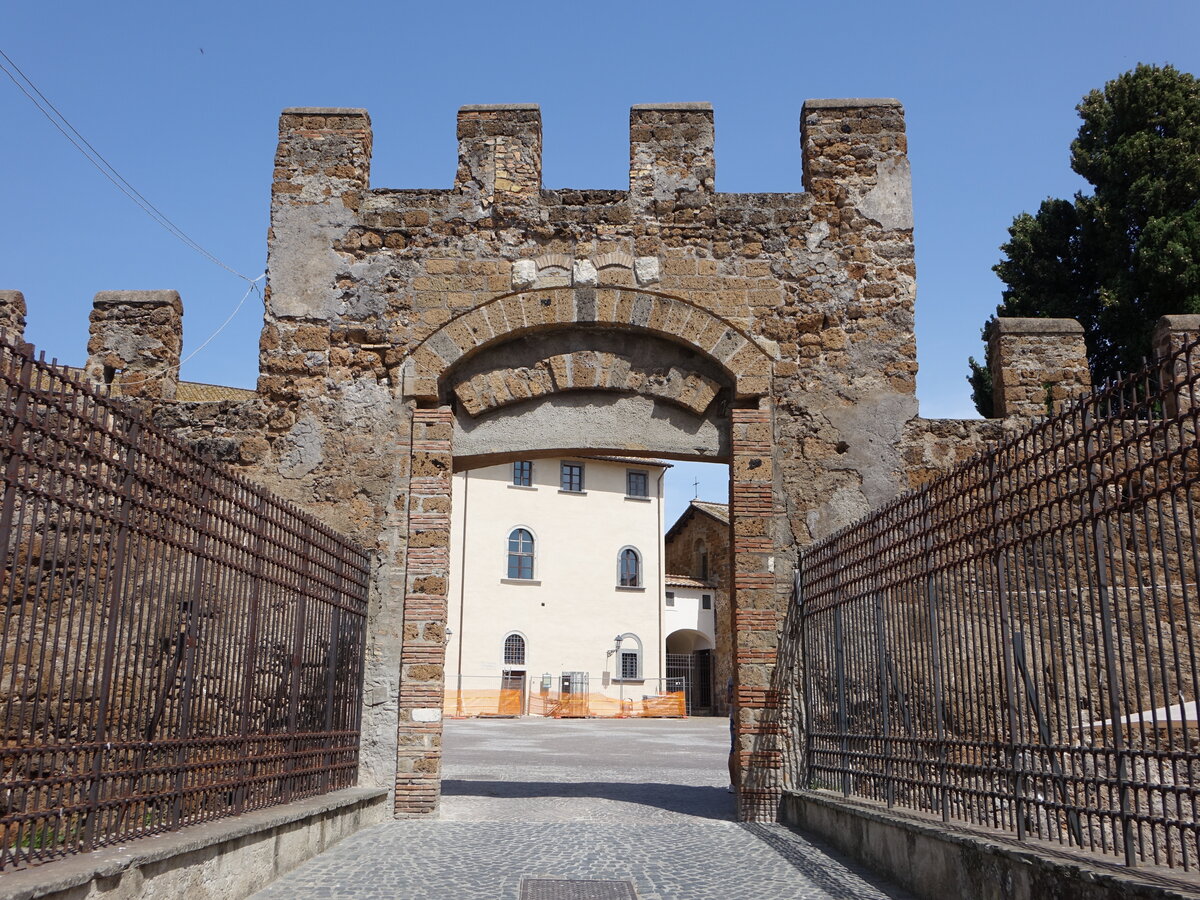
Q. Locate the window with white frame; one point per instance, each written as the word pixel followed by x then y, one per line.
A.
pixel 572 477
pixel 637 483
pixel 514 650
pixel 522 475
pixel 520 554
pixel 630 568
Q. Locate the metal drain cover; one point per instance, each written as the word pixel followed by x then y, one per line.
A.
pixel 576 889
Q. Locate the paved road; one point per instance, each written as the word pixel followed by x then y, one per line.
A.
pixel 613 805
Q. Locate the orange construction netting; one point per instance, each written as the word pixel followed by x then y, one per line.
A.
pixel 562 706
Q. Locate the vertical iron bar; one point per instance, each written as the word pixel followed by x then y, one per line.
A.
pixel 839 656
pixel 1100 551
pixel 1000 562
pixel 191 640
pixel 884 701
pixel 935 655
pixel 305 551
pixel 113 600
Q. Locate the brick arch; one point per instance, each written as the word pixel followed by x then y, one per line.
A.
pixel 745 359
pixel 584 370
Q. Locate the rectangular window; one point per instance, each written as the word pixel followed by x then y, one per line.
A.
pixel 670 598
pixel 523 473
pixel 572 477
pixel 629 664
pixel 637 484
pixel 706 601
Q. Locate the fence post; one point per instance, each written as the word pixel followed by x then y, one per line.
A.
pixel 1100 549
pixel 112 595
pixel 1000 563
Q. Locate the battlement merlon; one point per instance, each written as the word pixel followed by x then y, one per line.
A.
pixel 323 153
pixel 853 150
pixel 1036 365
pixel 671 163
pixel 500 155
pixel 12 314
pixel 135 338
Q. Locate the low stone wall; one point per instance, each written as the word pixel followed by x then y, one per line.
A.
pixel 223 860
pixel 939 861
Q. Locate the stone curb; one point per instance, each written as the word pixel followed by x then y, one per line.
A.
pixel 82 868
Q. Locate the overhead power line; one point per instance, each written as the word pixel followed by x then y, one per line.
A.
pixel 59 121
pixel 92 155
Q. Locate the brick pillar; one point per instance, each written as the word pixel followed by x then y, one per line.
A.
pixel 1036 365
pixel 672 171
pixel 500 157
pixel 134 344
pixel 757 614
pixel 423 648
pixel 12 315
pixel 1179 367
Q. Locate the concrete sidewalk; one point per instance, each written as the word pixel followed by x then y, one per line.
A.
pixel 585 810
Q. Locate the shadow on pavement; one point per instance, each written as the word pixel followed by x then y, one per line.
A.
pixel 836 881
pixel 690 800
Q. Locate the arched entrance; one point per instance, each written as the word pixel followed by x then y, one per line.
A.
pixel 585 370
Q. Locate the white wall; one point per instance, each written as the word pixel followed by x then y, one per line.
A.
pixel 572 609
pixel 688 614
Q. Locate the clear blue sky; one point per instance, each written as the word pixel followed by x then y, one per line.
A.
pixel 183 100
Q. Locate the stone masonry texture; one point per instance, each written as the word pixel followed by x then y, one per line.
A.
pixel 410 332
pixel 135 341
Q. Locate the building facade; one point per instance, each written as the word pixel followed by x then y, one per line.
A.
pixel 556 587
pixel 696 549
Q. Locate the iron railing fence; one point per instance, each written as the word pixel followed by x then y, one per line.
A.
pixel 177 645
pixel 1015 644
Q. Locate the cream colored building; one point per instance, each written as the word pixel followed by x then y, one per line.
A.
pixel 556 584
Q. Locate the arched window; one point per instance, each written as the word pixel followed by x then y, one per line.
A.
pixel 701 569
pixel 629 662
pixel 514 650
pixel 630 574
pixel 520 554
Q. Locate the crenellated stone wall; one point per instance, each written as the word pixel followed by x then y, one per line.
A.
pixel 408 333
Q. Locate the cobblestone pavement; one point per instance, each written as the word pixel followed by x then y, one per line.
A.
pixel 641 801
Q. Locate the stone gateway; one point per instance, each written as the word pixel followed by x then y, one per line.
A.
pixel 412 333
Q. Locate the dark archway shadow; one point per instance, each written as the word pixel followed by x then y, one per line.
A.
pixel 691 800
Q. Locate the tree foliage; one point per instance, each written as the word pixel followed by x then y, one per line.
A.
pixel 1130 252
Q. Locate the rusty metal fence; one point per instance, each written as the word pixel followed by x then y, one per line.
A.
pixel 177 644
pixel 1015 645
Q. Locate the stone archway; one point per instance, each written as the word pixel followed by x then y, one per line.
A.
pixel 375 295
pixel 719 378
